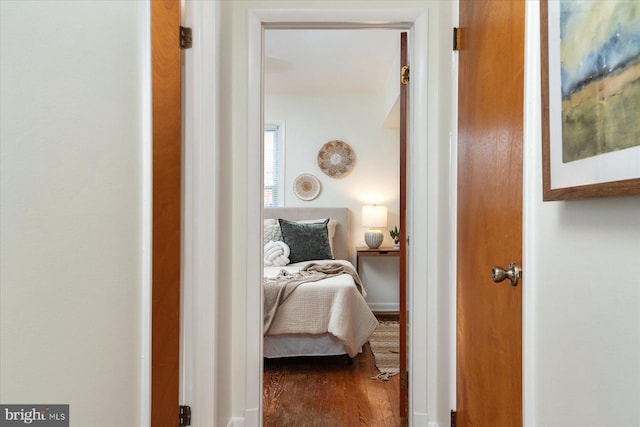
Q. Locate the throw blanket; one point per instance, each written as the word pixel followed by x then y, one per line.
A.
pixel 276 253
pixel 279 288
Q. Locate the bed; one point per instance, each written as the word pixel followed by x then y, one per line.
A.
pixel 323 317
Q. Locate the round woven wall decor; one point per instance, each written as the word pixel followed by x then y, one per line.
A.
pixel 306 186
pixel 336 159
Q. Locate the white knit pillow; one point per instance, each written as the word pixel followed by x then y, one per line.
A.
pixel 276 253
pixel 272 233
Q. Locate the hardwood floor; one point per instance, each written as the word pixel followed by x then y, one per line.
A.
pixel 328 392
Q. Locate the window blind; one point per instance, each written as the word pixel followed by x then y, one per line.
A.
pixel 273 167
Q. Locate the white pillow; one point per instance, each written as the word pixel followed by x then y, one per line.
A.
pixel 276 253
pixel 272 233
pixel 270 221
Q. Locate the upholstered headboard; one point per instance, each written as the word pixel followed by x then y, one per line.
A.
pixel 341 215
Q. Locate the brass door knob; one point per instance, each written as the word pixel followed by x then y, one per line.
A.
pixel 498 274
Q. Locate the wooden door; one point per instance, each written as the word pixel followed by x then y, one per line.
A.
pixel 490 132
pixel 167 176
pixel 404 103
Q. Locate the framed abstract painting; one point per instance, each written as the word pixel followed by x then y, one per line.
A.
pixel 590 98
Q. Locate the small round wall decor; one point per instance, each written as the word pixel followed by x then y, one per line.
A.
pixel 336 159
pixel 306 186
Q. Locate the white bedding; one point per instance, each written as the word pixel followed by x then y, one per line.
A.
pixel 332 305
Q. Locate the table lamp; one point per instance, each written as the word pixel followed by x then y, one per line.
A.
pixel 372 217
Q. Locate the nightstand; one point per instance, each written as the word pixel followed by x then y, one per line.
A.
pixel 382 251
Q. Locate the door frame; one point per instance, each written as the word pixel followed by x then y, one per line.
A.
pixel 531 191
pixel 199 353
pixel 416 23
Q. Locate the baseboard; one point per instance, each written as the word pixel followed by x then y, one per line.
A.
pixel 422 420
pixel 236 422
pixel 384 306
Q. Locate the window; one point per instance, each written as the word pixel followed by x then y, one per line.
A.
pixel 273 164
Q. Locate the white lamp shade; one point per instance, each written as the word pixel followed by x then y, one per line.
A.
pixel 374 216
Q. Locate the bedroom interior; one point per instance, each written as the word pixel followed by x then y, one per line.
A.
pixel 362 115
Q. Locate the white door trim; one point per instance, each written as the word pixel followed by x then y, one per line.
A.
pixel 146 222
pixel 201 124
pixel 422 169
pixel 530 193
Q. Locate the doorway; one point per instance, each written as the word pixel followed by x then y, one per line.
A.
pixel 320 84
pixel 415 22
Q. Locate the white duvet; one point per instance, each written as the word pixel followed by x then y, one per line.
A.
pixel 332 305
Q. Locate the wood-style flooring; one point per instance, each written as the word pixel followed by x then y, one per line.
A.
pixel 328 392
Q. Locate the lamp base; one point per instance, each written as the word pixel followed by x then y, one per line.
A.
pixel 373 238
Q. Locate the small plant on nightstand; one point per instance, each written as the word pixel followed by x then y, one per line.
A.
pixel 395 235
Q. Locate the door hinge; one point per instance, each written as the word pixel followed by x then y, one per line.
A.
pixel 184 416
pixel 404 380
pixel 453 418
pixel 186 38
pixel 456 38
pixel 404 75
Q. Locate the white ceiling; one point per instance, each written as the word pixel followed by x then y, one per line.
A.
pixel 357 60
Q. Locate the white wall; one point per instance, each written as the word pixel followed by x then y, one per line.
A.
pixel 73 81
pixel 314 119
pixel 582 295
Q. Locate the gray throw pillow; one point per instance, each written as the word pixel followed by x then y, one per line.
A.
pixel 306 241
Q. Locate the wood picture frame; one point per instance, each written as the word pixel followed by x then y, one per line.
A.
pixel 610 167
